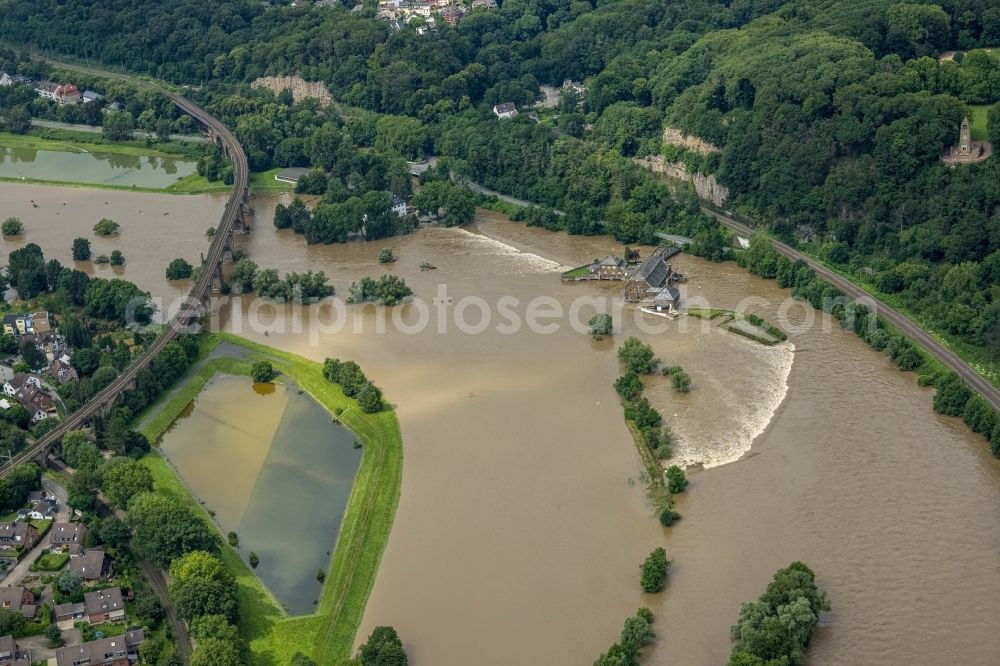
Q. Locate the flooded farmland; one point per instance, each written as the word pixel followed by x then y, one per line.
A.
pixel 271 466
pixel 523 517
pixel 93 168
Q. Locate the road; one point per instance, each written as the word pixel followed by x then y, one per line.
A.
pixel 92 129
pixel 199 291
pixel 905 325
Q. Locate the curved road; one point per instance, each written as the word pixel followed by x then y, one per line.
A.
pixel 199 291
pixel 906 325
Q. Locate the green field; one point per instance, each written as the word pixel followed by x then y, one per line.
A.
pixel 980 112
pixel 328 634
pixel 82 142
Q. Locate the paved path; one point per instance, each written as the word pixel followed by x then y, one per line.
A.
pixel 906 325
pixel 91 129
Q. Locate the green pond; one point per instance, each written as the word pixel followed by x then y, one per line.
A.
pixel 272 467
pixel 93 168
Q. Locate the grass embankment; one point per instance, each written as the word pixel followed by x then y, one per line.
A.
pixel 328 634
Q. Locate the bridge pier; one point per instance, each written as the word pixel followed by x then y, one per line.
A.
pixel 243 224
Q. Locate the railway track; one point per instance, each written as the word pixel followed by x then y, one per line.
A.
pixel 907 326
pixel 199 292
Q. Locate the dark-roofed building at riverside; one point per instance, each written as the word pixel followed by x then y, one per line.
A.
pixel 651 275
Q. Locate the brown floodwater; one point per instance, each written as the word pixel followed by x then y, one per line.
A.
pixel 523 515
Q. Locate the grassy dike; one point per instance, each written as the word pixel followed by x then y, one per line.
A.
pixel 328 634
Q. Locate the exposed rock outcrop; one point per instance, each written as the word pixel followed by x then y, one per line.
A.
pixel 675 137
pixel 301 89
pixel 706 186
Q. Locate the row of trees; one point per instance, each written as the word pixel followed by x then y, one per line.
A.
pixel 370 216
pixel 354 384
pixel 306 287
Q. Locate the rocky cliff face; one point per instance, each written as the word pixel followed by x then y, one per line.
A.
pixel 676 137
pixel 301 89
pixel 707 187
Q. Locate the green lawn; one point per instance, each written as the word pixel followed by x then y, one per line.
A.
pixel 978 119
pixel 328 634
pixel 50 562
pixel 264 180
pixel 578 272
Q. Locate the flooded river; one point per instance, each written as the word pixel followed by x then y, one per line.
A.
pixel 287 473
pixel 523 517
pixel 96 168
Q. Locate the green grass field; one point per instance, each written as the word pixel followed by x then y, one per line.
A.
pixel 328 634
pixel 79 142
pixel 978 120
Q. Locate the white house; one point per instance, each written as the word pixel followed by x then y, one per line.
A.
pixel 398 205
pixel 40 510
pixel 505 110
pixel 19 381
pixel 5 79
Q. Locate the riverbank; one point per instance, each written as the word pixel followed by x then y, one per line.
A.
pixel 328 634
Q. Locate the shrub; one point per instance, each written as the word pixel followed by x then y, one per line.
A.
pixel 681 381
pixel 654 571
pixel 386 256
pixel 262 372
pixel 179 269
pixel 643 414
pixel 668 516
pixel 107 227
pixel 117 258
pixel 601 325
pixel 12 226
pixel 676 481
pixel 629 386
pixel 81 249
pixel 638 356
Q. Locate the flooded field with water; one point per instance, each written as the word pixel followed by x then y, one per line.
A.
pixel 94 168
pixel 271 466
pixel 523 517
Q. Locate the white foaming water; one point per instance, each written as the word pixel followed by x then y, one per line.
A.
pixel 526 260
pixel 744 421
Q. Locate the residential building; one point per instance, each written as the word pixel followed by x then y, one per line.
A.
pixel 291 175
pixel 452 15
pixel 505 110
pixel 19 381
pixel 651 275
pixel 88 96
pixel 6 79
pixel 609 268
pixel 46 89
pixel 62 371
pixel 104 605
pixel 40 510
pixel 94 564
pixel 69 613
pixel 37 402
pixel 11 654
pixel 398 205
pixel 18 599
pixel 67 93
pixel 18 534
pixel 22 324
pixel 67 538
pixel 111 651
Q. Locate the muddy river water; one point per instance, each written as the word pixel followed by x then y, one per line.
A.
pixel 523 516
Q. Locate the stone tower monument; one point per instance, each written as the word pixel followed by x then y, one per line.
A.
pixel 965 138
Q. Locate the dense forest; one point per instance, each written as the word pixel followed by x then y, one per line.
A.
pixel 829 115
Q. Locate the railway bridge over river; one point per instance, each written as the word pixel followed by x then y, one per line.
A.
pixel 236 218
